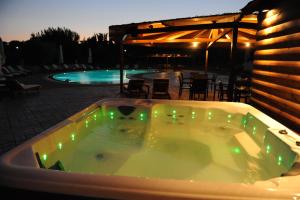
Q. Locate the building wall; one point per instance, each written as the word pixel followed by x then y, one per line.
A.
pixel 276 67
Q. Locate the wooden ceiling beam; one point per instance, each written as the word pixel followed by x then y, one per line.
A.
pixel 247 35
pixel 195 27
pixel 200 40
pixel 218 37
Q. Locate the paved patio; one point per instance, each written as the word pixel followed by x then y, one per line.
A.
pixel 26 115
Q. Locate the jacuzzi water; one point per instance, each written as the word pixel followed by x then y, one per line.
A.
pixel 97 76
pixel 169 142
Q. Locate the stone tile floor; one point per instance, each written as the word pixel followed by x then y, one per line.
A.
pixel 26 115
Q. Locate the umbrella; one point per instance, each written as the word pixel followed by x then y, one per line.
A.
pixel 61 55
pixel 90 58
pixel 2 55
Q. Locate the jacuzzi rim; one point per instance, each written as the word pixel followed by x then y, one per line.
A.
pixel 125 185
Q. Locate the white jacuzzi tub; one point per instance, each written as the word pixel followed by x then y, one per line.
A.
pixel 262 165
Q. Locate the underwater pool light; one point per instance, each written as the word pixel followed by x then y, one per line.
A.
pixel 268 149
pixel 73 137
pixel 59 146
pixel 236 150
pixel 279 160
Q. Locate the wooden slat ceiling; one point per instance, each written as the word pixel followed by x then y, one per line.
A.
pixel 207 36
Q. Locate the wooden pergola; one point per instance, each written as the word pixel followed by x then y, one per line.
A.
pixel 234 29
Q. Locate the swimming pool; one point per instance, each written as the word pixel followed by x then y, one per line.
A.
pixel 108 76
pixel 153 149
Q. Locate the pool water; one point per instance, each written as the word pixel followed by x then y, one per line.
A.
pixel 97 76
pixel 170 142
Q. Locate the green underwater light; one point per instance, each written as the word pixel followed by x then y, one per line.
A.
pixel 59 146
pixel 45 157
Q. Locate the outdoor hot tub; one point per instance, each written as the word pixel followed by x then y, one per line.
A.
pixel 159 149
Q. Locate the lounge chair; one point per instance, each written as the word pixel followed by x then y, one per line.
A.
pixel 4 75
pixel 97 67
pixel 160 89
pixel 8 72
pixel 21 68
pixel 47 68
pixel 15 86
pixel 83 67
pixel 2 78
pixel 56 67
pixel 136 88
pixel 13 70
pixel 77 67
pixel 66 67
pixel 90 67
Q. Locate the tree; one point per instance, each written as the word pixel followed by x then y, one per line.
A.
pixel 56 35
pixel 59 36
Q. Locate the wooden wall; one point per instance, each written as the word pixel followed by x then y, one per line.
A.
pixel 276 67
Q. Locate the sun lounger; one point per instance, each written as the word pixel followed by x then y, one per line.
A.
pixel 56 67
pixel 66 67
pixel 13 70
pixel 15 86
pixel 4 75
pixel 21 68
pixel 77 67
pixel 83 67
pixel 8 72
pixel 90 67
pixel 47 68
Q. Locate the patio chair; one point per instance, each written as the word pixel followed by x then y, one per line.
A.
pixel 222 92
pixel 184 79
pixel 15 86
pixel 160 89
pixel 213 80
pixel 182 85
pixel 242 89
pixel 136 88
pixel 198 87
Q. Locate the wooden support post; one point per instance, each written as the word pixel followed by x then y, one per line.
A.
pixel 234 44
pixel 206 60
pixel 233 62
pixel 121 67
pixel 122 63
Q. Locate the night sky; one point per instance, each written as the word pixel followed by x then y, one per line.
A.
pixel 20 18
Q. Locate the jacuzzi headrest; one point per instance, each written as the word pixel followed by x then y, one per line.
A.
pixel 126 110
